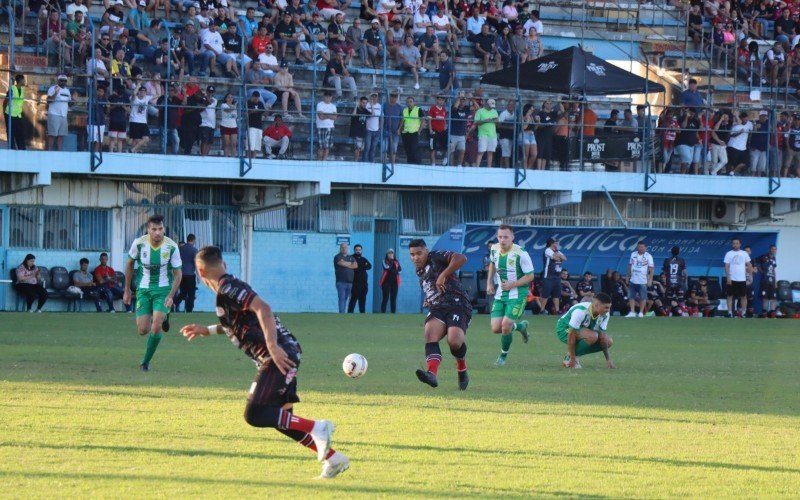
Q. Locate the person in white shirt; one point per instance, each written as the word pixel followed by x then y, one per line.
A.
pixel 737 265
pixel 77 6
pixel 640 276
pixel 58 99
pixel 534 22
pixel 373 127
pixel 213 46
pixel 326 115
pixel 737 144
pixel 138 130
pixel 268 61
pixel 208 122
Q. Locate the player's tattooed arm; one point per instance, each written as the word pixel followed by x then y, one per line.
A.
pixel 455 261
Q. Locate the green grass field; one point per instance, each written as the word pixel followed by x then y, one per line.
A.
pixel 698 408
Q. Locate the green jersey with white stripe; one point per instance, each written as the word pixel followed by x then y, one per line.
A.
pixel 511 266
pixel 155 264
pixel 580 316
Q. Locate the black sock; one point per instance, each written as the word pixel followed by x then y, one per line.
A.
pixel 459 353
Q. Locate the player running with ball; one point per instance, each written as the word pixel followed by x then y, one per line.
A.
pixel 250 325
pixel 514 267
pixel 583 329
pixel 450 309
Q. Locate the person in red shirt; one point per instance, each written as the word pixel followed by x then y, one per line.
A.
pixel 437 128
pixel 668 126
pixel 260 41
pixel 277 134
pixel 704 134
pixel 106 279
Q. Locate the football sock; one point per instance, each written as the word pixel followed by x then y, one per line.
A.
pixel 305 439
pixel 460 354
pixel 583 348
pixel 152 344
pixel 505 344
pixel 514 327
pixel 433 357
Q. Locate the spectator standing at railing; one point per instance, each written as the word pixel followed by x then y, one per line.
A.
pixel 777 144
pixel 255 119
pixel 229 124
pixel 118 119
pixel 393 121
pixel 704 141
pixel 485 122
pixel 373 127
pixel 208 120
pixel 58 99
pixel 174 100
pixel 13 107
pixel 737 144
pixel 358 127
pixel 687 140
pixel 791 157
pixel 720 135
pixel 544 131
pixel 413 118
pixel 458 130
pixel 29 283
pixel 437 130
pixel 138 130
pixel 759 144
pixel 326 117
pixel 506 124
pixel 96 127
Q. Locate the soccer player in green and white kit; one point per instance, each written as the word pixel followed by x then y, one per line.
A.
pixel 513 266
pixel 157 279
pixel 583 329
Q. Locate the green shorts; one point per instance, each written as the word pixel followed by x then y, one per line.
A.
pixel 562 334
pixel 151 299
pixel 511 309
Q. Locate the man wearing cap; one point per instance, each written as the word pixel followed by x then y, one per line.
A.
pixel 413 116
pixel 208 121
pixel 317 34
pixel 373 42
pixel 278 136
pixel 551 274
pixel 12 107
pixel 137 20
pixel 286 36
pixel 485 121
pixel 58 99
pixel 336 74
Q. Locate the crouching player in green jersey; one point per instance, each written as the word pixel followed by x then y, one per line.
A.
pixel 583 329
pixel 514 268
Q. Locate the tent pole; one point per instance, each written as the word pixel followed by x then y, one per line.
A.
pixel 520 174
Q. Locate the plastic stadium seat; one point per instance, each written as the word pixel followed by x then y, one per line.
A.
pixel 784 291
pixel 795 285
pixel 714 289
pixel 60 281
pixel 469 285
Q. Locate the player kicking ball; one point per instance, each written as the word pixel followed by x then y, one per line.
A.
pixel 513 266
pixel 450 309
pixel 250 325
pixel 583 329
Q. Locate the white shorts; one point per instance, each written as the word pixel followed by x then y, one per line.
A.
pixel 505 147
pixel 254 139
pixel 458 143
pixel 487 144
pixel 96 132
pixel 117 135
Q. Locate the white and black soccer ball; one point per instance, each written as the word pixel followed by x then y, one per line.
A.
pixel 354 365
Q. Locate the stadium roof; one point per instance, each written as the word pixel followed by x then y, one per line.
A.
pixel 572 71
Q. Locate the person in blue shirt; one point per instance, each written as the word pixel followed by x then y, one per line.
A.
pixel 759 140
pixel 393 119
pixel 691 97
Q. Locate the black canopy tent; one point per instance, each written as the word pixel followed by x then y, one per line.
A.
pixel 571 71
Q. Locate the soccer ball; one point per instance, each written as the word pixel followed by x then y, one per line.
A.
pixel 354 365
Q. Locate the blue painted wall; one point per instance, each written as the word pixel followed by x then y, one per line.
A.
pixel 300 278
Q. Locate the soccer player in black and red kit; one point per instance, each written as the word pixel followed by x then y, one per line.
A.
pixel 450 309
pixel 250 325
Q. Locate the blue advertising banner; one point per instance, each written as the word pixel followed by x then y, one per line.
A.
pixel 599 249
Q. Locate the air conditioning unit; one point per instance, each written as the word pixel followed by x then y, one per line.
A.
pixel 729 213
pixel 246 196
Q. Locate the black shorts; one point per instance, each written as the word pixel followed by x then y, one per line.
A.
pixel 451 316
pixel 206 134
pixel 439 141
pixel 273 388
pixel 737 157
pixel 544 146
pixel 768 290
pixel 737 289
pixel 551 288
pixel 138 130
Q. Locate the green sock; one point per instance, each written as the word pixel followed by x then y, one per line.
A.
pixel 505 344
pixel 583 348
pixel 152 344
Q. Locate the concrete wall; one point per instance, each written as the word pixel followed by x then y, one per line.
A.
pixel 788 241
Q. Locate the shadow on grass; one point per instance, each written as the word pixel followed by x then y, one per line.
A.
pixel 585 456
